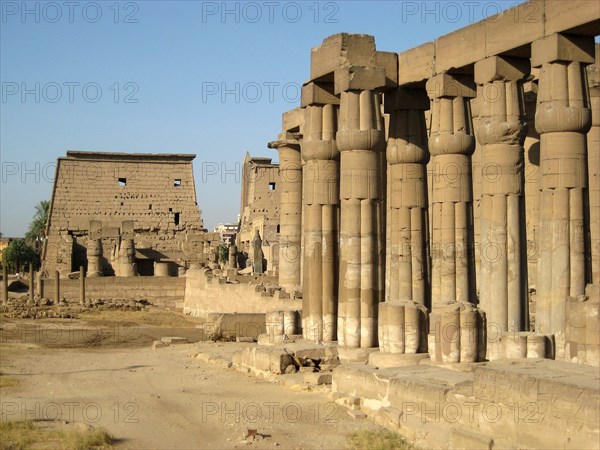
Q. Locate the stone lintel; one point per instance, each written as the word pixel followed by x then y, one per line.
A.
pixel 446 85
pixel 359 78
pixel 562 47
pixel 497 68
pixel 405 98
pixel 318 93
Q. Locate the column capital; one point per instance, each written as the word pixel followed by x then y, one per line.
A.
pixel 294 143
pixel 562 47
pixel 501 68
pixel 446 85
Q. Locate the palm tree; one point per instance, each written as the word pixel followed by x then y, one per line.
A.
pixel 17 254
pixel 37 228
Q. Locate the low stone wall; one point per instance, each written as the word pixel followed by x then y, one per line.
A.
pixel 516 403
pixel 205 294
pixel 163 291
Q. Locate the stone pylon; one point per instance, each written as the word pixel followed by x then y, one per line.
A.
pixel 563 117
pixel 361 141
pixel 451 144
pixel 407 156
pixel 290 214
pixel 501 132
pixel 321 212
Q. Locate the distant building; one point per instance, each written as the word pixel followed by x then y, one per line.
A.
pixel 259 209
pixel 101 199
pixel 5 242
pixel 227 231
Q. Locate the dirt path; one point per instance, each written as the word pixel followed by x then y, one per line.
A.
pixel 164 399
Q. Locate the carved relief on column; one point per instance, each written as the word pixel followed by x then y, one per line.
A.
pixel 451 143
pixel 562 118
pixel 501 132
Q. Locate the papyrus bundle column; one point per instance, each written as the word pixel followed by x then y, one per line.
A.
pixel 451 144
pixel 407 156
pixel 501 133
pixel 593 144
pixel 562 118
pixel 321 212
pixel 360 139
pixel 290 212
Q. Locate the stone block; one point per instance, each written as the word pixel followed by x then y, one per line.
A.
pixel 171 340
pixel 405 98
pixel 317 378
pixel 384 360
pixel 466 439
pixel 316 93
pixel 446 85
pixel 341 50
pixel 561 47
pixel 501 68
pixel 359 78
pixel 159 344
pixel 416 64
pixel 293 120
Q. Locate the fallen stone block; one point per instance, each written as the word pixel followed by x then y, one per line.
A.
pixel 356 414
pixel 172 340
pixel 159 344
pixel 317 378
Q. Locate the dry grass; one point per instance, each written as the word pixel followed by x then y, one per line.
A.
pixel 17 435
pixel 378 440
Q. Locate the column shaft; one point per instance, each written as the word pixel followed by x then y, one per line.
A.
pixel 360 140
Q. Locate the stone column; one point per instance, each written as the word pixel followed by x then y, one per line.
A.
pixel 501 132
pixel 94 257
pixel 562 118
pixel 593 145
pixel 82 285
pixel 407 156
pixel 290 212
pixel 321 211
pixel 57 286
pixel 126 258
pixel 4 285
pixel 233 253
pixel 360 139
pixel 451 143
pixel 31 286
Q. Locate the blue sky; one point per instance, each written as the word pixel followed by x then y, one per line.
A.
pixel 149 76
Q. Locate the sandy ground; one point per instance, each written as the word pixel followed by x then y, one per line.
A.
pixel 107 375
